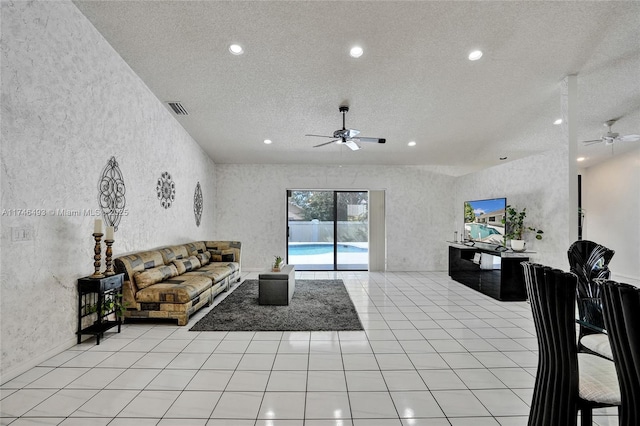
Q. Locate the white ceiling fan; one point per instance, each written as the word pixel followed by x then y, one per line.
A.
pixel 612 137
pixel 346 136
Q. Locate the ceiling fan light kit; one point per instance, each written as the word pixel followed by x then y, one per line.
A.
pixel 348 137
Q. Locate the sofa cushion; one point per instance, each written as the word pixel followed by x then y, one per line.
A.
pixel 171 253
pixel 185 265
pixel 227 255
pixel 180 289
pixel 154 275
pixel 140 261
pixel 204 258
pixel 231 266
pixel 158 308
pixel 216 273
pixel 195 248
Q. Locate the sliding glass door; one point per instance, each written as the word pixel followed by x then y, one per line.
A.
pixel 328 230
pixel 310 230
pixel 352 230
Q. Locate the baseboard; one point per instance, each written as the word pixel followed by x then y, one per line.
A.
pixel 23 367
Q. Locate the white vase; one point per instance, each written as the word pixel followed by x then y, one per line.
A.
pixel 517 245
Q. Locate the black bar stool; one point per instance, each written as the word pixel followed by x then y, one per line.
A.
pixel 566 381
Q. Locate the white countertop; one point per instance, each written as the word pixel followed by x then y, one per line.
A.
pixel 490 248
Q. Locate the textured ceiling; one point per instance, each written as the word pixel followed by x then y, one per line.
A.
pixel 414 81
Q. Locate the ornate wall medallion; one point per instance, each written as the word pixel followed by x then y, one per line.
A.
pixel 166 189
pixel 111 192
pixel 197 204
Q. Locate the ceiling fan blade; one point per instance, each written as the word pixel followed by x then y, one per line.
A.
pixel 629 138
pixel 592 141
pixel 375 140
pixel 321 136
pixel 326 143
pixel 352 145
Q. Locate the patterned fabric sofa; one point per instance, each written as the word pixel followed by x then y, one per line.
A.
pixel 175 281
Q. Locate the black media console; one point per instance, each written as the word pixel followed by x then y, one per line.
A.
pixel 493 272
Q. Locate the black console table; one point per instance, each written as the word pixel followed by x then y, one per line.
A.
pixel 502 278
pixel 98 300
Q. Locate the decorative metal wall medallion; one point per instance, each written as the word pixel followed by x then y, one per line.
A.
pixel 166 189
pixel 111 192
pixel 197 204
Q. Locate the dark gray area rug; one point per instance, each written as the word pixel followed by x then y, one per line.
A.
pixel 316 305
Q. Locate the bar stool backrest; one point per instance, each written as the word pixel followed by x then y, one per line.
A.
pixel 552 296
pixel 589 262
pixel 621 304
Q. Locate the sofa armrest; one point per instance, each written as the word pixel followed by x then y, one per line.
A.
pixel 236 246
pixel 132 263
pixel 129 288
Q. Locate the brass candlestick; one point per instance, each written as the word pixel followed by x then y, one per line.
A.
pixel 107 259
pixel 96 256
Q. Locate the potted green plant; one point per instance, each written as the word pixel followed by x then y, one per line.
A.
pixel 115 305
pixel 515 228
pixel 112 306
pixel 277 263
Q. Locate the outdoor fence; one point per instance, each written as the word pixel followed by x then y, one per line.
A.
pixel 316 231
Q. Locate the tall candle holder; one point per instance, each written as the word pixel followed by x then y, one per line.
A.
pixel 107 259
pixel 96 257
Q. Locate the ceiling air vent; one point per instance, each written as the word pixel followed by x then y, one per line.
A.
pixel 177 108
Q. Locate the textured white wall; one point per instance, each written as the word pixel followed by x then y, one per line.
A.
pixel 541 184
pixel 252 200
pixel 69 103
pixel 611 199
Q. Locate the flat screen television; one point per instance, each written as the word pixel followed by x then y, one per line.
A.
pixel 483 220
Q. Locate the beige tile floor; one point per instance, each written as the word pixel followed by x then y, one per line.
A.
pixel 433 352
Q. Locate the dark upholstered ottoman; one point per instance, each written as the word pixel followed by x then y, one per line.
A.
pixel 276 288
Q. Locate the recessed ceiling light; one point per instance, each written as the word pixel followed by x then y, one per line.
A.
pixel 412 143
pixel 580 159
pixel 356 52
pixel 236 49
pixel 268 141
pixel 503 158
pixel 475 55
pixel 558 121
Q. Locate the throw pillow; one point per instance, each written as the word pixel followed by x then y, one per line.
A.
pixel 227 255
pixel 204 258
pixel 155 275
pixel 185 265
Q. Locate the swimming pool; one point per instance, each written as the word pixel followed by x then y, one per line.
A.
pixel 323 248
pixel 479 231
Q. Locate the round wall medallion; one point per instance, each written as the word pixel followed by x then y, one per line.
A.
pixel 111 192
pixel 166 189
pixel 197 204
